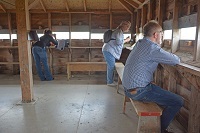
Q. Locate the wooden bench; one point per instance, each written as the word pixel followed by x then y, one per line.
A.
pixel 85 66
pixel 149 113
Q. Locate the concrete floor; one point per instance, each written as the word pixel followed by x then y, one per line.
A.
pixel 80 105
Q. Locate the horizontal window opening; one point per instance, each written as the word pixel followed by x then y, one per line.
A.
pixel 188 33
pixel 4 36
pixel 167 35
pixel 79 35
pixel 62 35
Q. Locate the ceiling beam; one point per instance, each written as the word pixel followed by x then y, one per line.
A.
pixel 126 6
pixel 2 7
pixel 84 5
pixel 66 5
pixel 35 2
pixel 137 1
pixel 42 4
pixel 141 1
pixel 132 3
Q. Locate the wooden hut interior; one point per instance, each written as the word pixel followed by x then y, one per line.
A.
pixel 79 68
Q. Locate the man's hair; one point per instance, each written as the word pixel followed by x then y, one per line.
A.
pixel 47 32
pixel 124 23
pixel 150 28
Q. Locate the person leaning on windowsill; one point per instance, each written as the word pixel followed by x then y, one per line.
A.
pixel 138 73
pixel 40 55
pixel 113 49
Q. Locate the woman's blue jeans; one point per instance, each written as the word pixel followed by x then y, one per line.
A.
pixel 170 102
pixel 110 60
pixel 40 57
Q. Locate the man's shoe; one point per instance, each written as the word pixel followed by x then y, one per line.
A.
pixel 112 84
pixel 166 131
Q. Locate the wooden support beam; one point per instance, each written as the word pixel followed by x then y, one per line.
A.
pixel 2 7
pixel 42 4
pixel 126 6
pixel 175 29
pixel 132 3
pixel 197 40
pixel 84 5
pixel 34 3
pixel 66 5
pixel 25 58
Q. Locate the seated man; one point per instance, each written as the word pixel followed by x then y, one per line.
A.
pixel 138 73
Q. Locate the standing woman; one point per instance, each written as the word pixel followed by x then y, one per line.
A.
pixel 113 49
pixel 40 55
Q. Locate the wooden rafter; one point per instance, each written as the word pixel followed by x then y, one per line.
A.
pixel 84 5
pixel 35 2
pixel 137 1
pixel 2 7
pixel 141 1
pixel 66 5
pixel 42 4
pixel 132 3
pixel 126 6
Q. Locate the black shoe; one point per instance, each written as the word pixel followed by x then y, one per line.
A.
pixel 165 131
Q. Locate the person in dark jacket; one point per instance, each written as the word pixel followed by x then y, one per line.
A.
pixel 40 55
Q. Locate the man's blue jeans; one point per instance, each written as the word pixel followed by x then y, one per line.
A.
pixel 170 102
pixel 110 60
pixel 40 56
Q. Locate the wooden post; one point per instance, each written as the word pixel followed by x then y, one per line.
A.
pixel 24 45
pixel 197 40
pixel 175 29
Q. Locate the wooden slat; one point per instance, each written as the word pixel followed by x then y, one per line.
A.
pixel 146 109
pixel 12 63
pixel 87 66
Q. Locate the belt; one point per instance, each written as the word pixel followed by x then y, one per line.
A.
pixel 133 91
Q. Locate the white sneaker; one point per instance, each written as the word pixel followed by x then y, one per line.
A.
pixel 112 84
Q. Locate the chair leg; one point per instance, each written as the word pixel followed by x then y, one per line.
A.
pixel 126 99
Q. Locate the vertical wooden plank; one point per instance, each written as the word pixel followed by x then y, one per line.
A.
pixel 90 19
pixel 194 113
pixel 150 10
pixel 11 40
pixel 49 21
pixel 111 17
pixel 197 40
pixel 70 36
pixel 161 11
pixel 172 83
pixel 144 14
pixel 50 50
pixel 24 51
pixel 138 19
pixel 175 29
